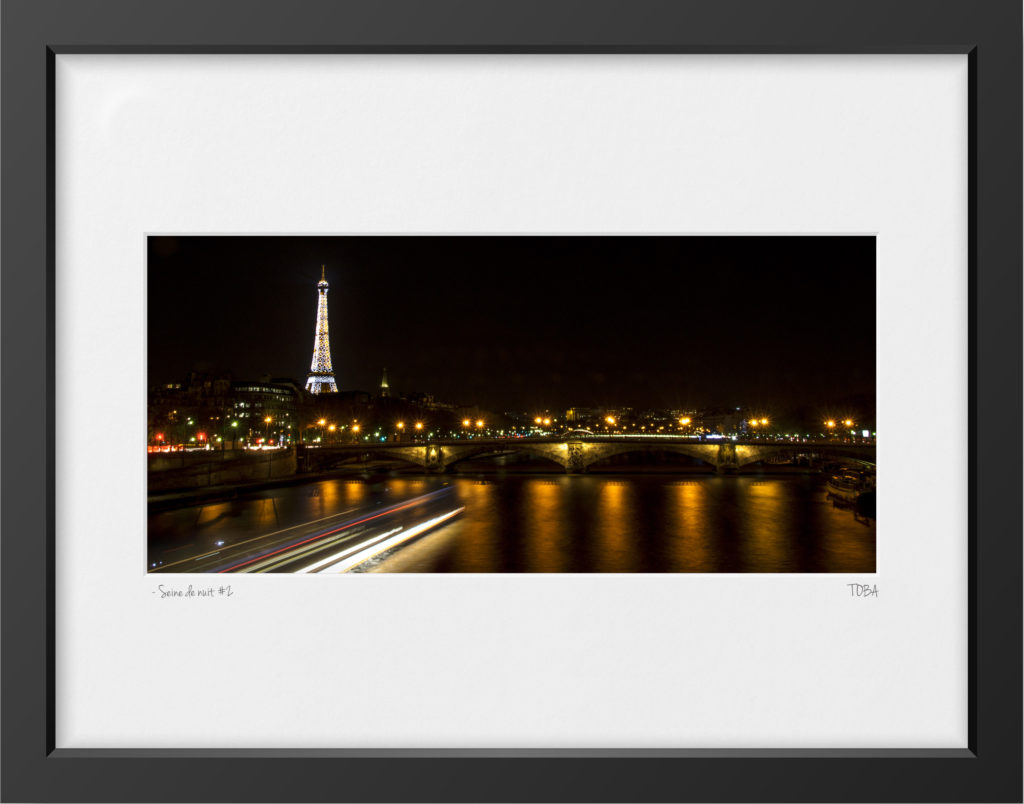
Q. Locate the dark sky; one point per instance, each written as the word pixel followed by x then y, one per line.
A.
pixel 527 323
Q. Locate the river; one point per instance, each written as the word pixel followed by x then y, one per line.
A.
pixel 562 523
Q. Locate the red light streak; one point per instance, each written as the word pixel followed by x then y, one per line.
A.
pixel 320 536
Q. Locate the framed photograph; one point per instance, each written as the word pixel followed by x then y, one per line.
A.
pixel 418 402
pixel 539 464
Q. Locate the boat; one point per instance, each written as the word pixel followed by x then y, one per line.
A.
pixel 846 486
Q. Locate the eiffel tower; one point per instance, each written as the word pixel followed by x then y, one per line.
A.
pixel 321 374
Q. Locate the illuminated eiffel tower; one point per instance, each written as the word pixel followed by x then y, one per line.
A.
pixel 321 374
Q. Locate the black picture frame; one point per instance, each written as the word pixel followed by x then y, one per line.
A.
pixel 34 31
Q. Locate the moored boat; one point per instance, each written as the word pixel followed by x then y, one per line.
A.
pixel 847 485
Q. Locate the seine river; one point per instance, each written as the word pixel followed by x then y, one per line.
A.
pixel 560 523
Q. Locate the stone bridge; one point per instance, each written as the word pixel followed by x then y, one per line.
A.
pixel 577 455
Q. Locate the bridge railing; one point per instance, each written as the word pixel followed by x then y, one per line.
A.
pixel 597 438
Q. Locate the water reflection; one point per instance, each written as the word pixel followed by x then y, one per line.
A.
pixel 614 518
pixel 654 524
pixel 547 531
pixel 551 523
pixel 685 517
pixel 764 514
pixel 476 548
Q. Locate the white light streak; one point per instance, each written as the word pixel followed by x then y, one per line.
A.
pixel 338 556
pixel 367 552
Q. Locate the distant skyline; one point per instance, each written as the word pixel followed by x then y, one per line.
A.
pixel 527 323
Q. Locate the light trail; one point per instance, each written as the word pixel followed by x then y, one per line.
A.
pixel 256 538
pixel 345 526
pixel 338 556
pixel 268 564
pixel 368 552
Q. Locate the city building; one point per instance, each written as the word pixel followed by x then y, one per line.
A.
pixel 215 411
pixel 266 409
pixel 580 415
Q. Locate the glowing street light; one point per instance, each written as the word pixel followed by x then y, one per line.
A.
pixel 400 425
pixel 479 422
pixel 538 420
pixel 685 420
pixel 610 420
pixel 419 425
pixel 466 422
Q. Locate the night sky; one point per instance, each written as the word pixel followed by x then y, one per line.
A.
pixel 529 323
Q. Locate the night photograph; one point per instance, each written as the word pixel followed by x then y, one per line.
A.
pixel 509 404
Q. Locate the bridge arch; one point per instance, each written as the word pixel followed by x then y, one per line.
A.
pixel 534 450
pixel 705 453
pixel 747 455
pixel 331 459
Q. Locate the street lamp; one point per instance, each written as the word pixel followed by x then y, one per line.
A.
pixel 266 430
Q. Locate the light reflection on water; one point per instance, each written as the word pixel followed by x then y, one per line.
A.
pixel 645 524
pixel 686 505
pixel 558 523
pixel 545 538
pixel 613 537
